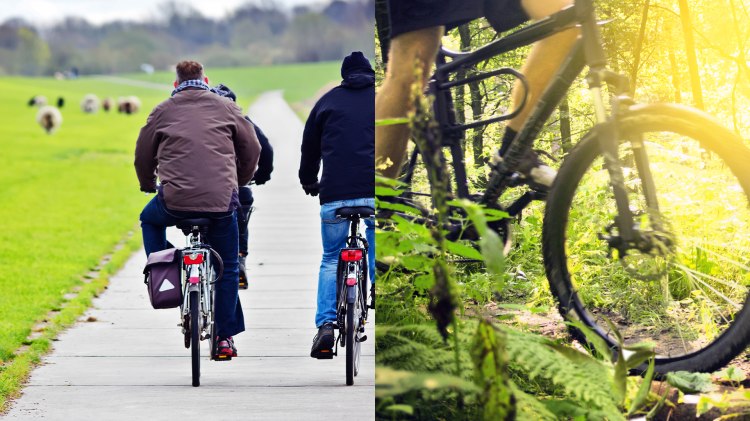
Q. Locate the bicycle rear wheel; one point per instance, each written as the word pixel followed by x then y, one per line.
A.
pixel 195 311
pixel 688 293
pixel 352 344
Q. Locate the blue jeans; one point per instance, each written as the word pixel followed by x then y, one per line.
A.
pixel 334 232
pixel 222 236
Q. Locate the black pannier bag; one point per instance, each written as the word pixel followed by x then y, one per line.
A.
pixel 162 278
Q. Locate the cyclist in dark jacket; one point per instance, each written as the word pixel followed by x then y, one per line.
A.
pixel 262 175
pixel 340 132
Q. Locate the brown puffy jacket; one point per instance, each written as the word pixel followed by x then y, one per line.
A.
pixel 201 147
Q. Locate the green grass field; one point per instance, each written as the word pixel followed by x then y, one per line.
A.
pixel 299 82
pixel 70 197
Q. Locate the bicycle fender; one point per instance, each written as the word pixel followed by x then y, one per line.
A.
pixel 351 294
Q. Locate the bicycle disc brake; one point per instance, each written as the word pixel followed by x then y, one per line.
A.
pixel 648 258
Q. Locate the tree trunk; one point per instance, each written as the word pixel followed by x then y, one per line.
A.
pixel 637 51
pixel 477 134
pixel 460 93
pixel 565 135
pixel 477 109
pixel 675 71
pixel 687 31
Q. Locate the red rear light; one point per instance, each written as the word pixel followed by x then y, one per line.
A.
pixel 193 259
pixel 351 255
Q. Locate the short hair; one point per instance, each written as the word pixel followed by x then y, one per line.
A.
pixel 189 70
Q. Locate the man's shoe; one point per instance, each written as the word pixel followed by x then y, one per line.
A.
pixel 322 347
pixel 225 349
pixel 243 273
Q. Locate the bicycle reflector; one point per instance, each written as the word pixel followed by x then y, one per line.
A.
pixel 351 280
pixel 351 255
pixel 193 259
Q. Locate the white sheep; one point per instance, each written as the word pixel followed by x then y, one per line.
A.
pixel 90 104
pixel 38 101
pixel 49 118
pixel 128 105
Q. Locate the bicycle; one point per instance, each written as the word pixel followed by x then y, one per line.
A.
pixel 622 256
pixel 351 290
pixel 199 275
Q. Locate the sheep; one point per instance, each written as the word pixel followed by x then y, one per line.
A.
pixel 60 102
pixel 128 105
pixel 90 104
pixel 38 100
pixel 49 118
pixel 107 104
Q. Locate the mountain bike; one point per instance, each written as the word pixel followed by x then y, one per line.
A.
pixel 202 267
pixel 627 257
pixel 351 290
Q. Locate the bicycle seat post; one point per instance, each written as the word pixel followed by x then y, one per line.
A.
pixel 354 225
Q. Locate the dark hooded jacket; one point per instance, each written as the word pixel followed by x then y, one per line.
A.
pixel 340 131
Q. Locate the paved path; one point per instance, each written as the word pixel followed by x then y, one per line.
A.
pixel 130 363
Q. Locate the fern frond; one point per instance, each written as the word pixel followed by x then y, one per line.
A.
pixel 530 407
pixel 581 382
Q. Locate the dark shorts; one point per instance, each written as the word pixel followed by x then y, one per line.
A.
pixel 411 15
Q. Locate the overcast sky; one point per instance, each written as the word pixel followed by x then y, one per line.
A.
pixel 98 11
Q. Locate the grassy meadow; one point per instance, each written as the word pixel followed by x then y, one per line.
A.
pixel 299 82
pixel 70 197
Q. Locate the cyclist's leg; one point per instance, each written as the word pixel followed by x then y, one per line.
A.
pixel 334 232
pixel 246 203
pixel 154 222
pixel 392 100
pixel 545 57
pixel 370 234
pixel 222 236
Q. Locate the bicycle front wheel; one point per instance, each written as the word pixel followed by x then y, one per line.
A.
pixel 684 284
pixel 195 311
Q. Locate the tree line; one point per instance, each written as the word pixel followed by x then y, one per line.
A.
pixel 253 34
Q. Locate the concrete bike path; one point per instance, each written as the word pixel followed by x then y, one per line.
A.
pixel 129 363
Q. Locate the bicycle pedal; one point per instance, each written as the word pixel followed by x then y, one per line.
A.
pixel 325 354
pixel 222 358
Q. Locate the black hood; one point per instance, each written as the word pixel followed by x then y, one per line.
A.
pixel 357 71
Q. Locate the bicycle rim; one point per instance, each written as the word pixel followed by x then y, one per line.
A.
pixel 686 294
pixel 195 337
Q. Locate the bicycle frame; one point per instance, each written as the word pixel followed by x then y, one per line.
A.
pixel 197 272
pixel 350 290
pixel 587 51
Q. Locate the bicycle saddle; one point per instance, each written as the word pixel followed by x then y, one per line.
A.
pixel 358 211
pixel 186 225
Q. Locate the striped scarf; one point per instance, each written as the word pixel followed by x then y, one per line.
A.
pixel 193 83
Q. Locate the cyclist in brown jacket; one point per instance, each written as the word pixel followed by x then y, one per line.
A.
pixel 201 148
